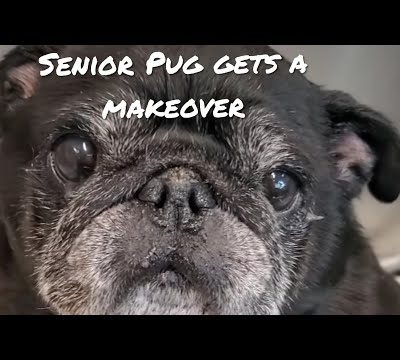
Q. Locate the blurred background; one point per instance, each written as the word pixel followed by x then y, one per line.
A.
pixel 371 74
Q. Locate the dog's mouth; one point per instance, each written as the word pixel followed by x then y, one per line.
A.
pixel 167 291
pixel 169 267
pixel 171 276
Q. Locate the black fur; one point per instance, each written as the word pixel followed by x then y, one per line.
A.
pixel 59 240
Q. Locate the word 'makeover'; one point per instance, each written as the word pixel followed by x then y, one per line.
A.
pixel 173 109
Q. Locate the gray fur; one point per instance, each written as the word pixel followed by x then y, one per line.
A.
pixel 96 248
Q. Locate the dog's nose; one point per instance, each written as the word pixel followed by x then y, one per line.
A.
pixel 179 191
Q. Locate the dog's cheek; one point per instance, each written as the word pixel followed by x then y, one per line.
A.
pixel 244 260
pixel 301 232
pixel 87 275
pixel 40 205
pixel 78 283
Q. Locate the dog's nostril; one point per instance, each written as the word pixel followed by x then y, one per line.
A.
pixel 162 198
pixel 154 192
pixel 193 202
pixel 200 197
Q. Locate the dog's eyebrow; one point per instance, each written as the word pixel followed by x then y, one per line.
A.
pixel 73 123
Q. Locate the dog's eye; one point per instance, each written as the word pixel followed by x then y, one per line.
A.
pixel 73 158
pixel 282 188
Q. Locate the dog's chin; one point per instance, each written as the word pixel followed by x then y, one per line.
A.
pixel 168 293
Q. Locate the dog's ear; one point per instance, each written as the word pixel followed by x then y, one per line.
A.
pixel 365 146
pixel 20 75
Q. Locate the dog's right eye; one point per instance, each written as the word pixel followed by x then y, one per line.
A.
pixel 282 188
pixel 73 158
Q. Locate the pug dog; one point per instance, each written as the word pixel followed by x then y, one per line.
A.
pixel 228 216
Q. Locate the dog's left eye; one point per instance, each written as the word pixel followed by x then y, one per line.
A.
pixel 73 158
pixel 282 188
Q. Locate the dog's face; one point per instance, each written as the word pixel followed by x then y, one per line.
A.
pixel 182 216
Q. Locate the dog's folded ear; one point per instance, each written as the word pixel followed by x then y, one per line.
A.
pixel 19 76
pixel 365 146
pixel 19 73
